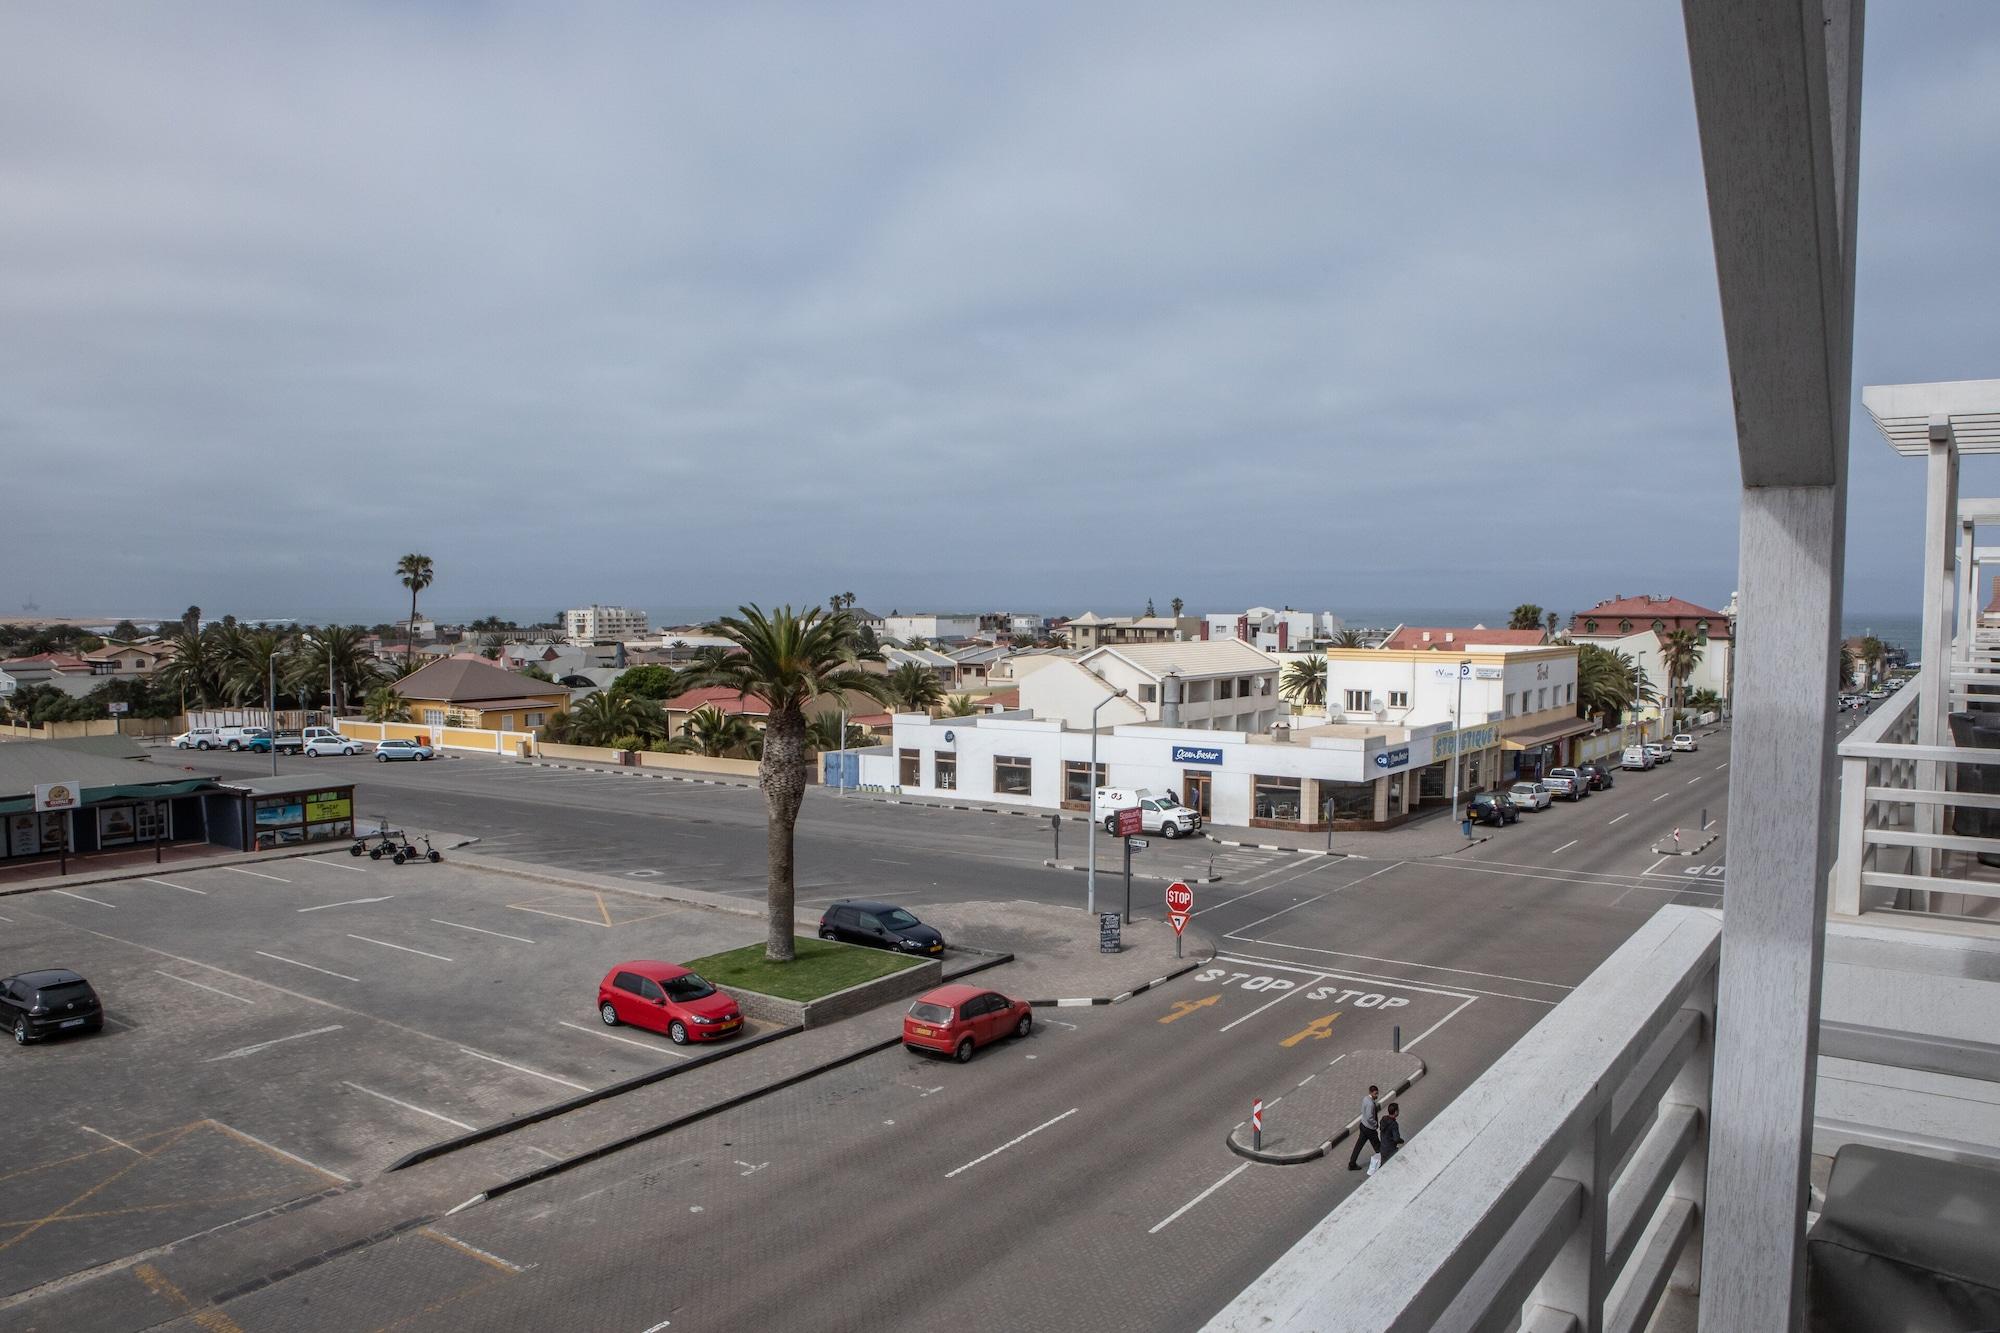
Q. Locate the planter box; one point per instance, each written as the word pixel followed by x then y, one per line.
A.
pixel 842 1003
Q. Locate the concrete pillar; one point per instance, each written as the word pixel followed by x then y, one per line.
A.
pixel 1968 589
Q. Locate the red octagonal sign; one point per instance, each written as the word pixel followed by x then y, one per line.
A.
pixel 1180 902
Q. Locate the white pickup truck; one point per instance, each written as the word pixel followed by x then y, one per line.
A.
pixel 314 742
pixel 1159 812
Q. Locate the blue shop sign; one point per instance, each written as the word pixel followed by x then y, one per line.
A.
pixel 1197 754
pixel 1395 758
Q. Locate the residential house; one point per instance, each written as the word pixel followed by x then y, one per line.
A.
pixel 1091 630
pixel 1616 619
pixel 128 661
pixel 1273 631
pixel 480 695
pixel 861 709
pixel 1228 686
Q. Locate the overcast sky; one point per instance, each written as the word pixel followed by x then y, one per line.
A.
pixel 1042 305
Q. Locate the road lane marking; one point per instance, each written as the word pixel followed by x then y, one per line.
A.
pixel 308 966
pixel 258 873
pixel 1565 847
pixel 102 1135
pixel 1522 874
pixel 1011 1142
pixel 1663 796
pixel 325 863
pixel 1440 1023
pixel 80 898
pixel 1724 764
pixel 518 939
pixel 481 1055
pixel 1266 1005
pixel 184 981
pixel 1170 1218
pixel 664 1323
pixel 483 1256
pixel 1293 908
pixel 168 884
pixel 404 947
pixel 409 1106
pixel 1182 1008
pixel 885 861
pixel 1655 866
pixel 1435 967
pixel 351 902
pixel 1318 1030
pixel 560 916
pixel 242 1051
pixel 642 1045
pixel 1399 983
pixel 1626 815
pixel 1691 781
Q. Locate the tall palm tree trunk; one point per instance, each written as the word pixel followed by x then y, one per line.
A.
pixel 782 775
pixel 410 639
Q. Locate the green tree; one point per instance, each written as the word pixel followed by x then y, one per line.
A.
pixel 913 687
pixel 255 657
pixel 1555 625
pixel 961 705
pixel 788 658
pixel 823 732
pixel 712 732
pixel 1348 638
pixel 1848 662
pixel 196 669
pixel 1874 653
pixel 385 705
pixel 1680 654
pixel 535 671
pixel 124 632
pixel 415 573
pixel 1177 604
pixel 1608 684
pixel 1526 616
pixel 1304 680
pixel 338 650
pixel 607 715
pixel 650 681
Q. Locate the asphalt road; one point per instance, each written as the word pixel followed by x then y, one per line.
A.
pixel 1078 1178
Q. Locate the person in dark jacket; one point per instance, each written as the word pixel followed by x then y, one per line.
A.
pixel 1391 1131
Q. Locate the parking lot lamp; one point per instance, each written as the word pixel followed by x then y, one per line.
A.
pixel 1090 891
pixel 271 706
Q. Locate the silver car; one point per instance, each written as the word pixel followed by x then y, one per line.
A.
pixel 1531 795
pixel 388 750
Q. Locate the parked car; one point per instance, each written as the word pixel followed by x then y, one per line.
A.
pixel 879 926
pixel 238 738
pixel 38 1004
pixel 387 750
pixel 1878 694
pixel 1159 812
pixel 1568 783
pixel 316 741
pixel 257 744
pixel 1637 756
pixel 1685 744
pixel 666 997
pixel 1492 807
pixel 957 1020
pixel 1661 754
pixel 1596 775
pixel 199 738
pixel 1531 795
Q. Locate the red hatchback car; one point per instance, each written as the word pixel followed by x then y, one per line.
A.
pixel 955 1020
pixel 666 997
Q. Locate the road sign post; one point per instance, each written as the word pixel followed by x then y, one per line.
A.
pixel 1055 827
pixel 1128 880
pixel 1180 905
pixel 1257 1125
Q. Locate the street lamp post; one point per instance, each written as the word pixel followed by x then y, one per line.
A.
pixel 1457 741
pixel 271 706
pixel 1090 892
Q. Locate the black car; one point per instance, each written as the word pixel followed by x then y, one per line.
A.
pixel 1597 775
pixel 879 926
pixel 1493 807
pixel 34 1005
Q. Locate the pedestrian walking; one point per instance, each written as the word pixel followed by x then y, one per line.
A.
pixel 1366 1131
pixel 1391 1131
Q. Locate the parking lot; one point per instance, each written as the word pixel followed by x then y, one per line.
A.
pixel 292 1025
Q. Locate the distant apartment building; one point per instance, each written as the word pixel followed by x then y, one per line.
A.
pixel 1091 630
pixel 930 626
pixel 1274 631
pixel 596 624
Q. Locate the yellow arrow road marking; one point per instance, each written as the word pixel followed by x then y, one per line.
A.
pixel 1318 1030
pixel 1182 1008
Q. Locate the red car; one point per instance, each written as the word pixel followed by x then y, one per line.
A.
pixel 954 1020
pixel 666 997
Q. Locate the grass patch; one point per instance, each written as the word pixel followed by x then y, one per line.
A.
pixel 821 968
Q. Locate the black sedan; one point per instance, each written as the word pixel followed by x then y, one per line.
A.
pixel 39 1004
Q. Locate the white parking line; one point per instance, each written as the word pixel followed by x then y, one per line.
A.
pixel 80 898
pixel 518 939
pixel 327 863
pixel 168 884
pixel 481 1055
pixel 1440 1023
pixel 1293 908
pixel 664 1323
pixel 258 873
pixel 642 1045
pixel 272 1147
pixel 198 985
pixel 1655 866
pixel 409 1107
pixel 351 902
pixel 1266 1005
pixel 404 947
pixel 1565 847
pixel 1011 1142
pixel 308 966
pixel 1626 815
pixel 242 1051
pixel 1170 1218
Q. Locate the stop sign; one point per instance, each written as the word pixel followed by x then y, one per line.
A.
pixel 1180 902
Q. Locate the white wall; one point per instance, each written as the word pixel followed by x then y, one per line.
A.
pixel 1059 689
pixel 1431 682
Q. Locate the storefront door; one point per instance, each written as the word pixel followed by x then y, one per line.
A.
pixel 1194 791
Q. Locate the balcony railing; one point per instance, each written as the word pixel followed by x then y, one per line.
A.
pixel 1563 1186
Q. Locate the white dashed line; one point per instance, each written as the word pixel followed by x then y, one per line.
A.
pixel 258 873
pixel 1626 815
pixel 1169 1219
pixel 242 1051
pixel 609 1036
pixel 518 939
pixel 404 947
pixel 523 1069
pixel 351 902
pixel 1011 1142
pixel 1565 847
pixel 307 966
pixel 407 1106
pixel 168 884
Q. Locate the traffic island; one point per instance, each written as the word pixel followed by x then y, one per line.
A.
pixel 1686 844
pixel 824 983
pixel 1304 1124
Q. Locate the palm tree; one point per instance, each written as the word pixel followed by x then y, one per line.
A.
pixel 415 573
pixel 1680 653
pixel 1349 638
pixel 1873 654
pixel 1305 680
pixel 1526 616
pixel 788 658
pixel 913 687
pixel 712 732
pixel 823 733
pixel 353 669
pixel 1848 661
pixel 196 668
pixel 1177 604
pixel 961 705
pixel 608 715
pixel 1608 684
pixel 385 705
pixel 1555 624
pixel 256 658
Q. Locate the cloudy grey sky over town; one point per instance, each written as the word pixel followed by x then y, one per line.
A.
pixel 1043 305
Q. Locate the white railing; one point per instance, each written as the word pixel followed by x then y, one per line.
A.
pixel 1562 1190
pixel 1896 798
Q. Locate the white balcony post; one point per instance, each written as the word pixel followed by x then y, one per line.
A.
pixel 1968 592
pixel 1578 1282
pixel 1934 708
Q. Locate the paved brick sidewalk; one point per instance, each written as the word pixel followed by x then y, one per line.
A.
pixel 1304 1123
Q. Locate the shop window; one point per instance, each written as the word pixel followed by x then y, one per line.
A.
pixel 1013 775
pixel 1077 786
pixel 1354 701
pixel 909 768
pixel 1346 800
pixel 946 772
pixel 1278 798
pixel 1472 773
pixel 1399 698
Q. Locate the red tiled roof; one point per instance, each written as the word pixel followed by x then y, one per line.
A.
pixel 1643 611
pixel 719 697
pixel 1002 699
pixel 1412 637
pixel 57 661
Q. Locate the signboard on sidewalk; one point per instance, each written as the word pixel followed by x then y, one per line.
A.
pixel 1107 932
pixel 116 709
pixel 1180 904
pixel 1131 822
pixel 69 795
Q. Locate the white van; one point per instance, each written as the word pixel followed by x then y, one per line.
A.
pixel 1159 812
pixel 1637 756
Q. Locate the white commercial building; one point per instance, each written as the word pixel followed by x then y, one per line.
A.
pixel 1193 685
pixel 928 625
pixel 1273 631
pixel 594 624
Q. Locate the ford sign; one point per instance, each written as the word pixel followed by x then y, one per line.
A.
pixel 1196 754
pixel 1393 758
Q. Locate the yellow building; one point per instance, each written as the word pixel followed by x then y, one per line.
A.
pixel 469 691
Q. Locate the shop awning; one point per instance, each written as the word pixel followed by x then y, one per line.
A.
pixel 130 791
pixel 1534 738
